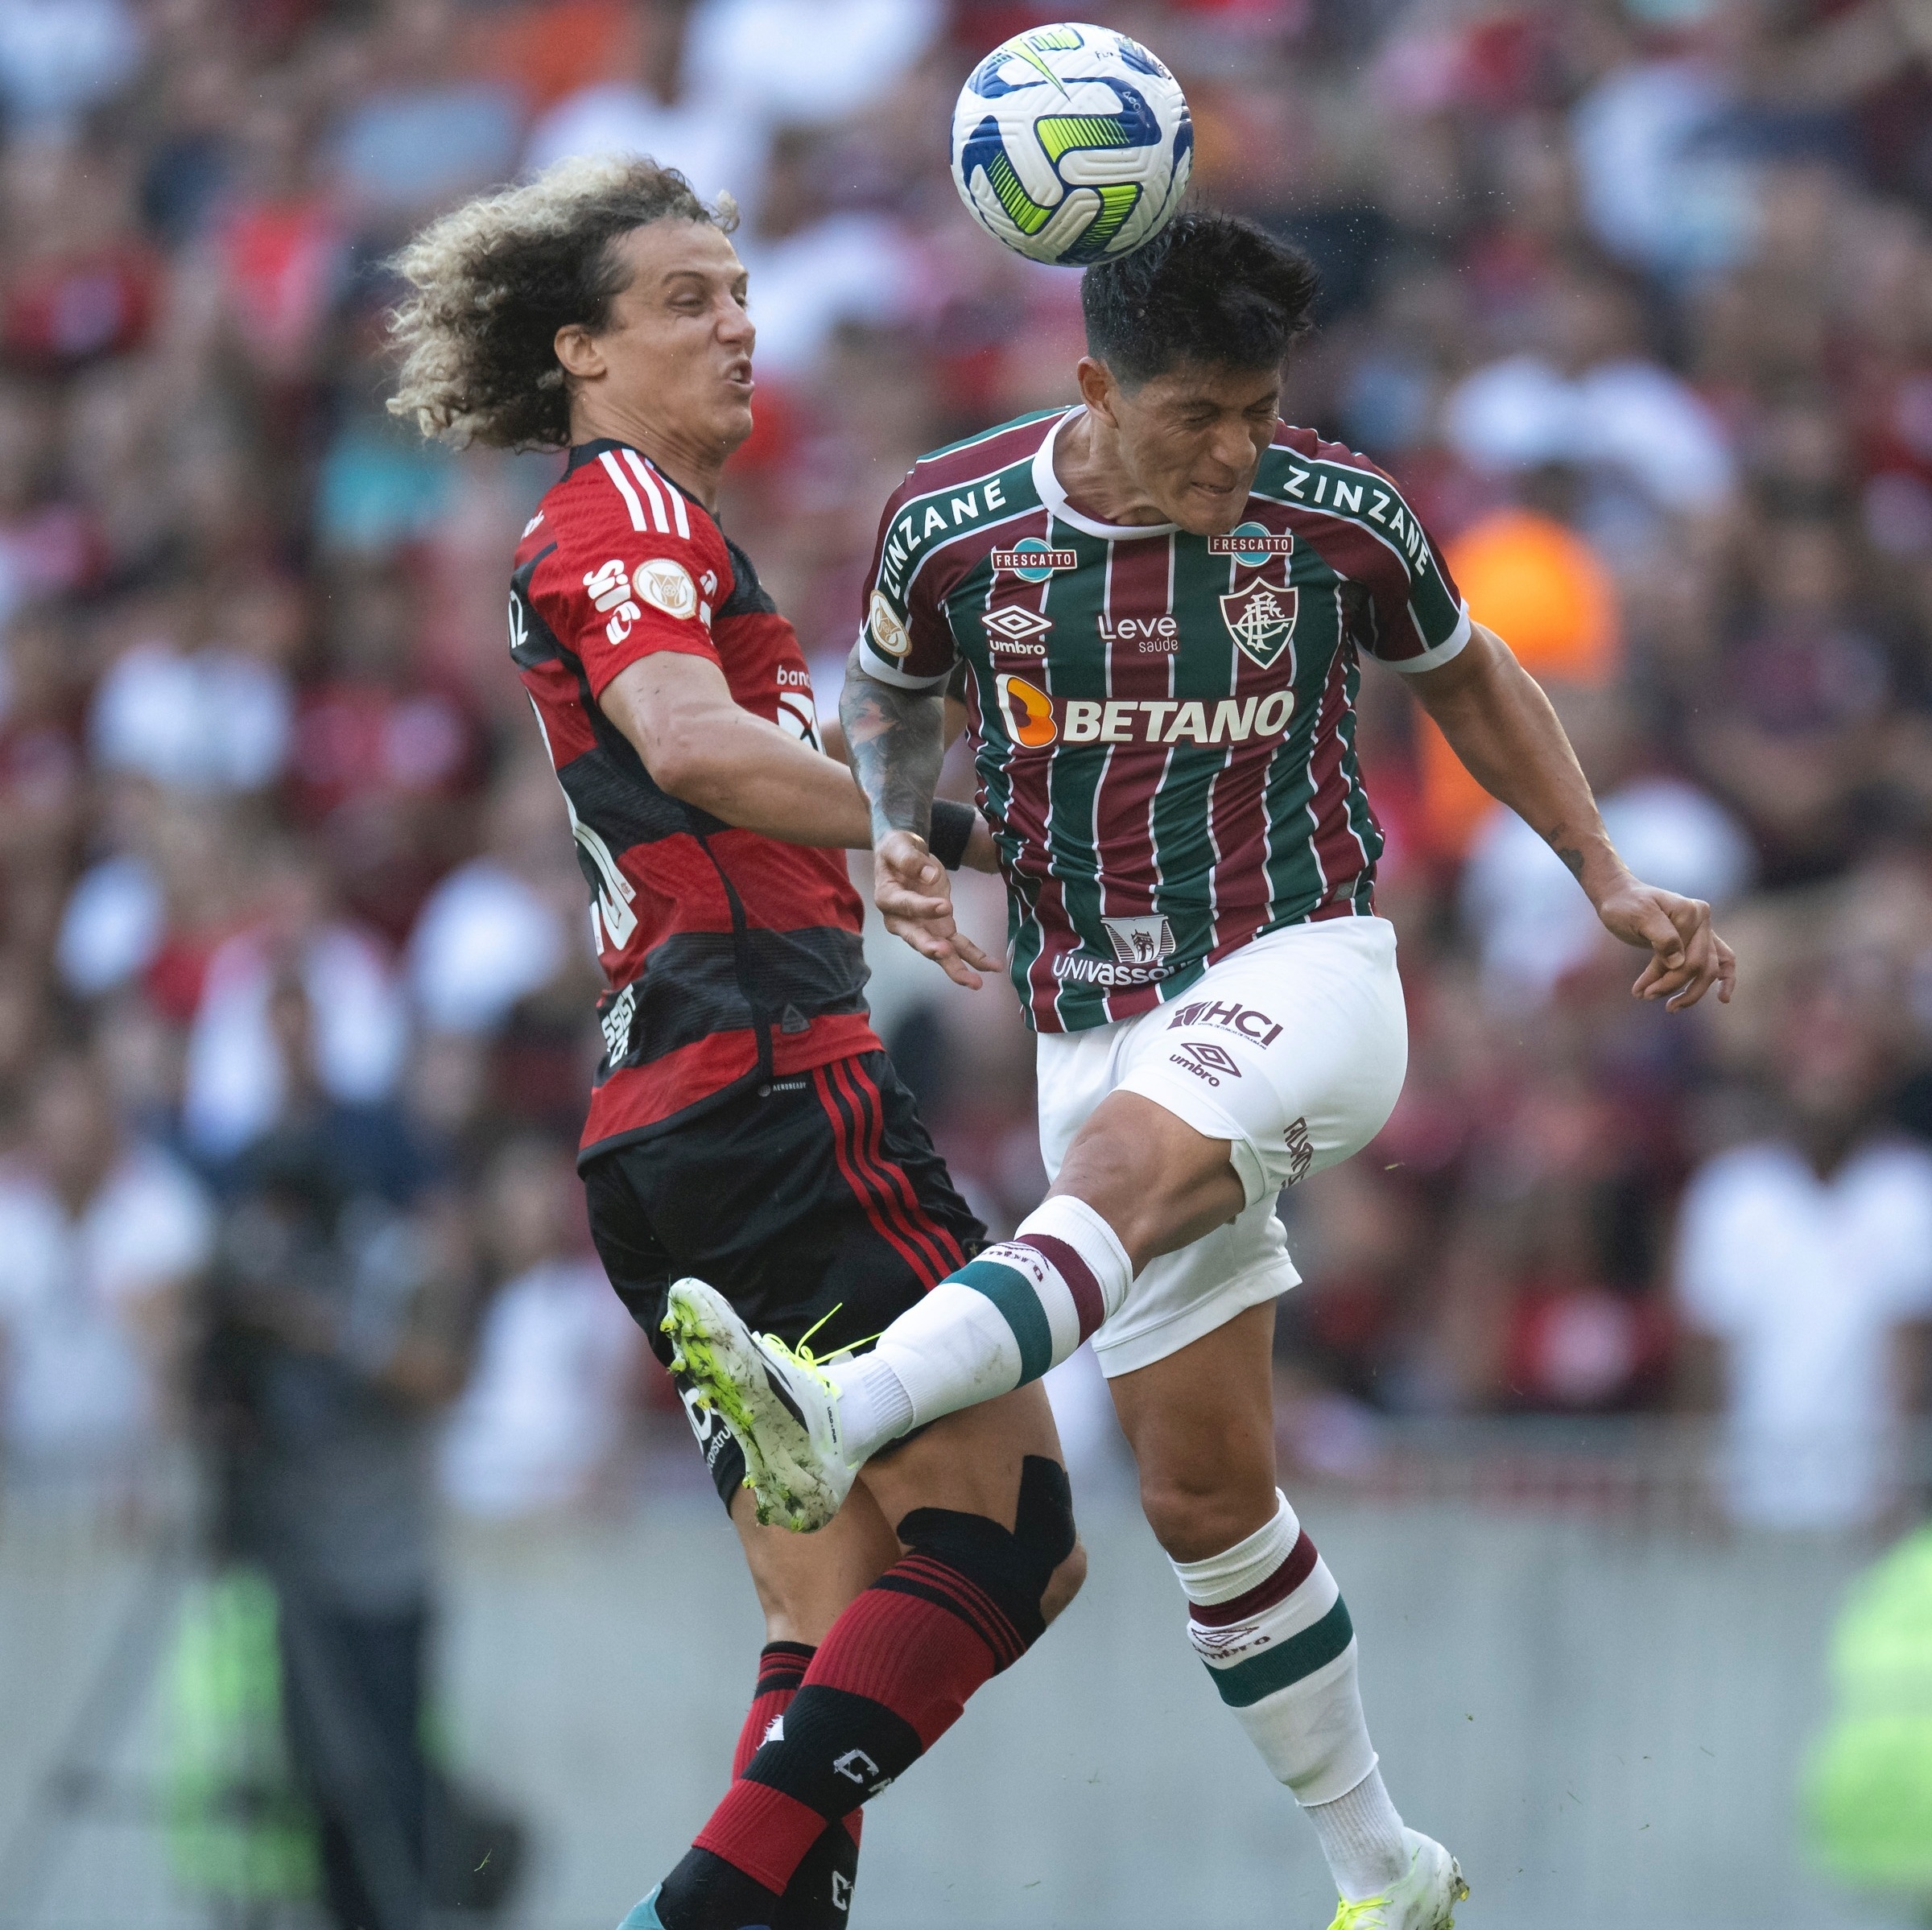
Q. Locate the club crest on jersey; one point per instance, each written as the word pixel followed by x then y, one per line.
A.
pixel 1261 618
pixel 1141 940
pixel 1032 561
pixel 1016 628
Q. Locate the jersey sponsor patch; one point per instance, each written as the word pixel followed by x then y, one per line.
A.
pixel 1151 636
pixel 1028 711
pixel 1244 1020
pixel 1145 940
pixel 666 585
pixel 1251 544
pixel 889 632
pixel 1166 720
pixel 1032 561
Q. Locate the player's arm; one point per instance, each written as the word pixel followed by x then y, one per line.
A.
pixel 1502 727
pixel 701 746
pixel 896 739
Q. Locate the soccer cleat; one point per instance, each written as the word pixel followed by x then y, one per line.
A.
pixel 644 1916
pixel 777 1401
pixel 1424 1899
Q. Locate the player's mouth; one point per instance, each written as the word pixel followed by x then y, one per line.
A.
pixel 737 375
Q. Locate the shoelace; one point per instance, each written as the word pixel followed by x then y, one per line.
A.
pixel 802 1357
pixel 1354 1916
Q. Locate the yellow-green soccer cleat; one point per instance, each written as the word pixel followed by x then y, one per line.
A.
pixel 1424 1899
pixel 780 1406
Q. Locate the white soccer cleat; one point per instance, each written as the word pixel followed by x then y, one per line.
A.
pixel 1424 1899
pixel 779 1403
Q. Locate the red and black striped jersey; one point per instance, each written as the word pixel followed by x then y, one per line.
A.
pixel 732 958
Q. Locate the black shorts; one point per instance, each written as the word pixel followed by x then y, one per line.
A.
pixel 819 1204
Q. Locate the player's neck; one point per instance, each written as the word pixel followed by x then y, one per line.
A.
pixel 696 468
pixel 1086 460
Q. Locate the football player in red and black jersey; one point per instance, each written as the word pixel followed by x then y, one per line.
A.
pixel 745 1126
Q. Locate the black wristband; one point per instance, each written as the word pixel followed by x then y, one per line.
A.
pixel 951 830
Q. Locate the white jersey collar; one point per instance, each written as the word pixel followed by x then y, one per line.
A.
pixel 1046 486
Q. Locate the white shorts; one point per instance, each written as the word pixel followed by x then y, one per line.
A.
pixel 1293 1050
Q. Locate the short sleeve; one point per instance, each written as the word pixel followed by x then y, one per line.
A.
pixel 904 638
pixel 1408 612
pixel 636 569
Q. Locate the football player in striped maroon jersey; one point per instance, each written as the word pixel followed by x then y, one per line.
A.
pixel 745 1124
pixel 1161 597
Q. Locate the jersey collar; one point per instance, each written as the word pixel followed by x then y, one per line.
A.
pixel 581 453
pixel 1046 486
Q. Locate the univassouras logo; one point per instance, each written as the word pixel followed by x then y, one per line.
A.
pixel 1035 718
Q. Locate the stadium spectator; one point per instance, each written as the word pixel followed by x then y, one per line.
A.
pixel 1806 1256
pixel 544 1414
pixel 102 1236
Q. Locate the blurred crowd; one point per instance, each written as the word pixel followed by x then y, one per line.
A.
pixel 1634 297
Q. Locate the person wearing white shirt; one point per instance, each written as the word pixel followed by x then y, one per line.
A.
pixel 1806 1259
pixel 558 1357
pixel 100 1236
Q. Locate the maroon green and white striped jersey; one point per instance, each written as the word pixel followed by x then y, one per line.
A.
pixel 1163 724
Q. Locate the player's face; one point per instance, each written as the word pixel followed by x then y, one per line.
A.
pixel 1193 438
pixel 676 351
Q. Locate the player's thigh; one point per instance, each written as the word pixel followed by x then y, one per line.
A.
pixel 1293 1050
pixel 974 1462
pixel 805 1582
pixel 1201 1424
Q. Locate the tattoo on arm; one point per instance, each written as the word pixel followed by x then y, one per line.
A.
pixel 895 739
pixel 1569 854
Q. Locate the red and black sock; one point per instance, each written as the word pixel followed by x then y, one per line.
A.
pixel 892 1676
pixel 820 1893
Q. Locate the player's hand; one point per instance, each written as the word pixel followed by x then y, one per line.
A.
pixel 981 853
pixel 914 898
pixel 1687 958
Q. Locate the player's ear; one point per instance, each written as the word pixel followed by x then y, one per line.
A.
pixel 1097 386
pixel 579 351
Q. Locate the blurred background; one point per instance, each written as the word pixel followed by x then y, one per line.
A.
pixel 1606 1391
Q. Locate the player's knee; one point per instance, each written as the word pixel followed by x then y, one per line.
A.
pixel 1064 1583
pixel 1019 1568
pixel 1198 1512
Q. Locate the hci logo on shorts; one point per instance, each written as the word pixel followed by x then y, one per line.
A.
pixel 1141 940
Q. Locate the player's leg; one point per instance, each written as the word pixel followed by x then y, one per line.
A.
pixel 1264 1612
pixel 988 1557
pixel 802 1590
pixel 1279 1062
pixel 754 1192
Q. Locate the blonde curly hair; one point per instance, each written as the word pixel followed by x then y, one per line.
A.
pixel 495 279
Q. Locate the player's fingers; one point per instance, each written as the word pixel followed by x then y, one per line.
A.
pixel 898 902
pixel 1659 931
pixel 973 953
pixel 1727 972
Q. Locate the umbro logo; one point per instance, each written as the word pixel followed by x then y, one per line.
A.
pixel 1018 629
pixel 1206 1061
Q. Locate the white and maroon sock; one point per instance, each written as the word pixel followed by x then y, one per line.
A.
pixel 1267 1618
pixel 1009 1314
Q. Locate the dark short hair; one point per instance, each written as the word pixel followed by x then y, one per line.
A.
pixel 1209 288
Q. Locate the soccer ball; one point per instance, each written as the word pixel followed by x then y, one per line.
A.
pixel 1071 144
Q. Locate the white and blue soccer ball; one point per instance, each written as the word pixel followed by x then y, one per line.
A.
pixel 1071 144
